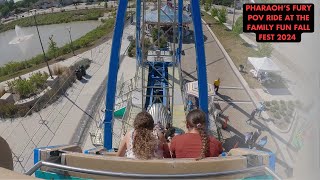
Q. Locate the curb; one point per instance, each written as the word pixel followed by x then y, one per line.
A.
pixel 244 82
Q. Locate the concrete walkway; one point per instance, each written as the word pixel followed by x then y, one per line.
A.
pixel 62 122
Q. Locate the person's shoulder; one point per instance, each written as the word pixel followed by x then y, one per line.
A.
pixel 178 137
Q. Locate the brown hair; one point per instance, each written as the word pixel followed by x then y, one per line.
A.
pixel 144 143
pixel 197 119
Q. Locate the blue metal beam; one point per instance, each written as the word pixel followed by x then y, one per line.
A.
pixel 200 56
pixel 180 12
pixel 138 28
pixel 113 72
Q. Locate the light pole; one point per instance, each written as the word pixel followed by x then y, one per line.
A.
pixel 234 13
pixel 44 54
pixel 69 30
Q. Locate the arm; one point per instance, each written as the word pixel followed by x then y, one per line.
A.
pixel 123 146
pixel 164 146
pixel 173 148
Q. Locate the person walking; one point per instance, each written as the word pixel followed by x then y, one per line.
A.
pixel 248 139
pixel 252 115
pixel 260 108
pixel 216 85
pixel 256 135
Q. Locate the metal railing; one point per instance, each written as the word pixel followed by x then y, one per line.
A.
pixel 136 175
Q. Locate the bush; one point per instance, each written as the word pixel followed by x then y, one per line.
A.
pixel 207 7
pixel 277 115
pixel 265 49
pixel 83 62
pixel 274 102
pixel 273 109
pixel 58 69
pixel 214 12
pixel 267 103
pixel 8 110
pixel 222 15
pixel 163 42
pixel 132 49
pixel 154 34
pixel 39 80
pixel 24 88
pixel 238 26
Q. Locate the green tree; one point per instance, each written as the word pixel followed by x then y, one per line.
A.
pixel 222 15
pixel 238 26
pixel 265 49
pixel 4 11
pixel 52 46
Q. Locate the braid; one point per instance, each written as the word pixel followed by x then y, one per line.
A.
pixel 205 143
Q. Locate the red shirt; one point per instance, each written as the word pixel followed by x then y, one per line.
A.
pixel 189 146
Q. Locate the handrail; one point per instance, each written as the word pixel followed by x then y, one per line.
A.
pixel 135 175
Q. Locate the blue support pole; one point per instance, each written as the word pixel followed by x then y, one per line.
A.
pixel 138 28
pixel 113 72
pixel 200 56
pixel 180 12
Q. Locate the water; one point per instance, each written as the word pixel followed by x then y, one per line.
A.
pixel 30 47
pixel 20 36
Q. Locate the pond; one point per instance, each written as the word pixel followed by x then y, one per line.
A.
pixel 30 46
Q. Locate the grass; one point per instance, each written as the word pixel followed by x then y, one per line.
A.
pixel 56 18
pixel 237 48
pixel 14 69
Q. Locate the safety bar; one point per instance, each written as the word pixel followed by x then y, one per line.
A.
pixel 133 175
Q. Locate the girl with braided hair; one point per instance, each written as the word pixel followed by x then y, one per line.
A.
pixel 195 143
pixel 143 142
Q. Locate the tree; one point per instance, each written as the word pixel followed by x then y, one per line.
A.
pixel 4 11
pixel 52 46
pixel 265 49
pixel 222 15
pixel 238 26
